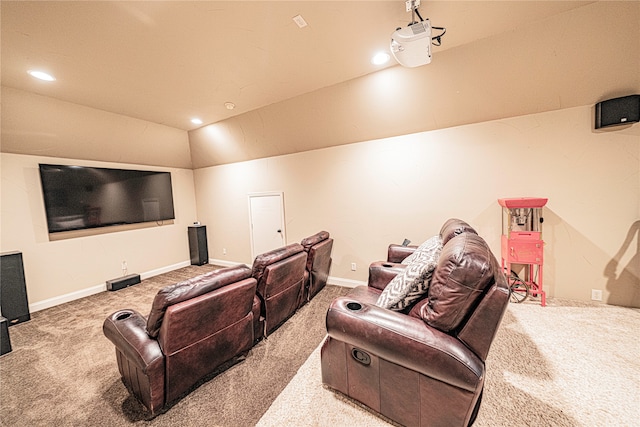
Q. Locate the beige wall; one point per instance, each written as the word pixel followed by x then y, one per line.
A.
pixel 576 58
pixel 42 126
pixel 370 194
pixel 61 270
pixel 38 129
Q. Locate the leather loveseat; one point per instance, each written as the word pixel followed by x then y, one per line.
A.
pixel 194 327
pixel 423 365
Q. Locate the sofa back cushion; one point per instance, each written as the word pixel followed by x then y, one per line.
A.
pixel 464 271
pixel 281 275
pixel 191 288
pixel 263 260
pixel 313 240
pixel 191 321
pixel 454 227
pixel 318 247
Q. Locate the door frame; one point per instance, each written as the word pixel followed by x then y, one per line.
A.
pixel 282 217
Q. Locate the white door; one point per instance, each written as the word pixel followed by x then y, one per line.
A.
pixel 266 214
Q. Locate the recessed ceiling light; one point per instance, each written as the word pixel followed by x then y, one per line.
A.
pixel 196 121
pixel 41 75
pixel 229 105
pixel 380 58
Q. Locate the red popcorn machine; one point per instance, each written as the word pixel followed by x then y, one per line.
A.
pixel 522 245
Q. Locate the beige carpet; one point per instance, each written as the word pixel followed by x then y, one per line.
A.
pixel 567 364
pixel 63 371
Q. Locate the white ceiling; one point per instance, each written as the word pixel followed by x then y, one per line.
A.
pixel 168 61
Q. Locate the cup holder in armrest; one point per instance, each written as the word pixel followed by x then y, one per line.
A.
pixel 354 306
pixel 387 264
pixel 123 315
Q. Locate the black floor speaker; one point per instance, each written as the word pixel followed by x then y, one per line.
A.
pixel 618 111
pixel 5 342
pixel 14 304
pixel 123 282
pixel 198 249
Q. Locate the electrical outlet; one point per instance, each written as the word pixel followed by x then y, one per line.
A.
pixel 224 251
pixel 596 294
pixel 124 265
pixel 353 266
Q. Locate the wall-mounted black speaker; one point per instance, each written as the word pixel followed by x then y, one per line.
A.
pixel 618 111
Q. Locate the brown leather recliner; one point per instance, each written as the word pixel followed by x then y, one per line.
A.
pixel 424 366
pixel 381 272
pixel 194 327
pixel 280 277
pixel 318 248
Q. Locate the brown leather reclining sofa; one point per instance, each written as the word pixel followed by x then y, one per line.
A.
pixel 193 327
pixel 197 325
pixel 425 365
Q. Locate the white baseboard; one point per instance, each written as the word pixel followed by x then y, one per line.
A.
pixel 226 263
pixel 347 283
pixel 52 302
pixel 162 270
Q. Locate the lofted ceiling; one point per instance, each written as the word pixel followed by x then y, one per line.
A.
pixel 169 61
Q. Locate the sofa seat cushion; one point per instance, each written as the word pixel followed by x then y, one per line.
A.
pixel 464 271
pixel 191 288
pixel 410 285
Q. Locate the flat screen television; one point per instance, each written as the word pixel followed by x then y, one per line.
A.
pixel 80 197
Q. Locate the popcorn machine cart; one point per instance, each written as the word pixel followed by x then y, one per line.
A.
pixel 522 244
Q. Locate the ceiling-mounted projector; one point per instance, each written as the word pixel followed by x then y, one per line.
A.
pixel 411 46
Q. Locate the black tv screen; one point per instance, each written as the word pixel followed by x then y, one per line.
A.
pixel 79 197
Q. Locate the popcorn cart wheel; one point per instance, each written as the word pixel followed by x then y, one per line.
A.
pixel 519 289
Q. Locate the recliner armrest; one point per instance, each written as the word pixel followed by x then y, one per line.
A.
pixel 405 341
pixel 382 272
pixel 126 329
pixel 397 253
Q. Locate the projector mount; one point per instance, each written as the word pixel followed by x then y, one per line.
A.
pixel 413 5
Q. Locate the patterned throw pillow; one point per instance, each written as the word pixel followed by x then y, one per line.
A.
pixel 413 282
pixel 424 250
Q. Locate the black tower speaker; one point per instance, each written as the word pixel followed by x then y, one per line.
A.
pixel 198 248
pixel 13 289
pixel 618 111
pixel 5 341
